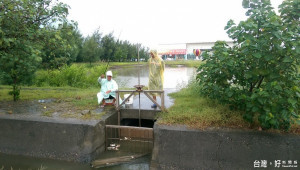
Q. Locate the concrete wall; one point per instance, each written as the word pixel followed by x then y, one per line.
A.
pixel 176 147
pixel 71 140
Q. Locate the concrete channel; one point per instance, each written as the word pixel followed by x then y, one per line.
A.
pixel 179 147
pixel 62 139
pixel 175 147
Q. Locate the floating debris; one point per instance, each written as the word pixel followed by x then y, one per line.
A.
pixel 113 147
pixel 125 138
pixel 114 161
pixel 110 148
pixel 46 100
pixel 41 101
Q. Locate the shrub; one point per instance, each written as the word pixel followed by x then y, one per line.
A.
pixel 259 74
pixel 74 76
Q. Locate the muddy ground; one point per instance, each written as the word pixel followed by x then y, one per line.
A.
pixel 48 108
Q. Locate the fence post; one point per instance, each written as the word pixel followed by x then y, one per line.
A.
pixel 162 96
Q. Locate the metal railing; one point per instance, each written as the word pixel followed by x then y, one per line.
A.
pixel 139 91
pixel 146 92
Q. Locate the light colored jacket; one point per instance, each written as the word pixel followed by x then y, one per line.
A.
pixel 108 85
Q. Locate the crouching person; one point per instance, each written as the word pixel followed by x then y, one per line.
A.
pixel 108 88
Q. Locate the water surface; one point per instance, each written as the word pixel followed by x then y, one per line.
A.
pixel 174 77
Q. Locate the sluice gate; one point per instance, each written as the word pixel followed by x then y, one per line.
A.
pixel 136 140
pixel 129 138
pixel 132 136
pixel 142 136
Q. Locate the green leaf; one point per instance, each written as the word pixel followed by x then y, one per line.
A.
pixel 261 101
pixel 248 117
pixel 255 109
pixel 276 33
pixel 225 53
pixel 248 75
pixel 292 101
pixel 278 87
pixel 263 72
pixel 287 59
pixel 273 122
pixel 298 50
pixel 257 55
pixel 246 4
pixel 229 94
pixel 295 115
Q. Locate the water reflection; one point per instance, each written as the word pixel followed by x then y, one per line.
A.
pixel 16 162
pixel 174 77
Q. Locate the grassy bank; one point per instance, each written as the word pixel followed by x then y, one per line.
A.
pixel 197 112
pixel 188 63
pixel 110 64
pixel 35 93
pixel 82 98
pixel 68 101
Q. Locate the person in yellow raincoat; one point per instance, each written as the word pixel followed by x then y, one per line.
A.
pixel 156 74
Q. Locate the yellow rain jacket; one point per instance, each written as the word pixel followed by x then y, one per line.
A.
pixel 156 72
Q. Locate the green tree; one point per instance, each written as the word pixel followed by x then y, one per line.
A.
pixel 144 54
pixel 21 25
pixel 91 50
pixel 122 51
pixel 62 44
pixel 108 46
pixel 119 54
pixel 259 73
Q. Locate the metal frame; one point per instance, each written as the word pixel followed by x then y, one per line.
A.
pixel 162 95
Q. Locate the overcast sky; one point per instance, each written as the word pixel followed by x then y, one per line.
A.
pixel 153 22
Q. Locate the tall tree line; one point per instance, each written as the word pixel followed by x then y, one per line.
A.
pixel 107 48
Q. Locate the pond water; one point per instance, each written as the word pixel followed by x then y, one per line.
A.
pixel 174 79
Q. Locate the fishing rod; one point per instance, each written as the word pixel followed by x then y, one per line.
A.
pixel 113 52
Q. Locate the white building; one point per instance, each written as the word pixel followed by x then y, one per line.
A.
pixel 185 50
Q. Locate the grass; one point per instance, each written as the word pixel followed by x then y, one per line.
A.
pixel 69 98
pixel 83 117
pixel 188 63
pixel 197 112
pixel 34 93
pixel 110 64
